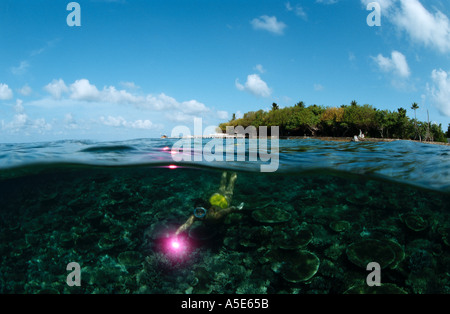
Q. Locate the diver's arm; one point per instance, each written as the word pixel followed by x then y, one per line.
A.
pixel 225 211
pixel 186 225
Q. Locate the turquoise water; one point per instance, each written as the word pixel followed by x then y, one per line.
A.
pixel 310 227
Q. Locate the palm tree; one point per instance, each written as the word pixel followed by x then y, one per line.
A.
pixel 414 107
pixel 353 103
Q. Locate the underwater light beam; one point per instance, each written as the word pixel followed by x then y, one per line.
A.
pixel 176 246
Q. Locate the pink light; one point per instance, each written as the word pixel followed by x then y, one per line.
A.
pixel 173 166
pixel 166 148
pixel 176 246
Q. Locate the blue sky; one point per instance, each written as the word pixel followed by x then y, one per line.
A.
pixel 137 69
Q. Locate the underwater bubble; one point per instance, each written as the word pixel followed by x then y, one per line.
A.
pixel 370 250
pixel 271 215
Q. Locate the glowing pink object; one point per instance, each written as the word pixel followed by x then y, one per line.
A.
pixel 173 166
pixel 176 246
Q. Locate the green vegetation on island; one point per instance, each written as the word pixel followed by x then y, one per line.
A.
pixel 343 121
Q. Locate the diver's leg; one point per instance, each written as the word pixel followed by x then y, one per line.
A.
pixel 223 183
pixel 230 188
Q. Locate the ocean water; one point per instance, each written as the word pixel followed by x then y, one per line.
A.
pixel 312 226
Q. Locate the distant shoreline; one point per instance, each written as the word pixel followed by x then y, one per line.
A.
pixel 349 139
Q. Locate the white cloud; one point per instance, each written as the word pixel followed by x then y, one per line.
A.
pixel 260 68
pixel 424 27
pixel 18 108
pixel 70 122
pixel 25 90
pixel 318 87
pixel 121 122
pixel 440 91
pixel 397 64
pixel 268 23
pixel 21 68
pixel 193 107
pixel 431 29
pixel 254 85
pixel 222 115
pixel 141 124
pixel 130 85
pixel 111 94
pixel 56 88
pixel 5 92
pixel 83 90
pixel 327 1
pixel 21 123
pixel 164 102
pixel 298 10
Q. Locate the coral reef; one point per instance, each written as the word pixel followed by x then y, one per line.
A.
pixel 310 233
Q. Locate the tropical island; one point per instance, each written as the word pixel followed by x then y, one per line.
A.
pixel 341 122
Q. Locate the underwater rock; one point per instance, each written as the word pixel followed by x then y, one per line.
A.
pixel 358 199
pixel 334 251
pixel 94 216
pixel 106 244
pixel 300 267
pixel 33 226
pixel 32 238
pixel 385 288
pixel 294 266
pixel 369 250
pixel 255 237
pixel 66 239
pixel 271 215
pixel 130 259
pixel 296 240
pixel 399 253
pixel 233 218
pixel 414 222
pixel 340 225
